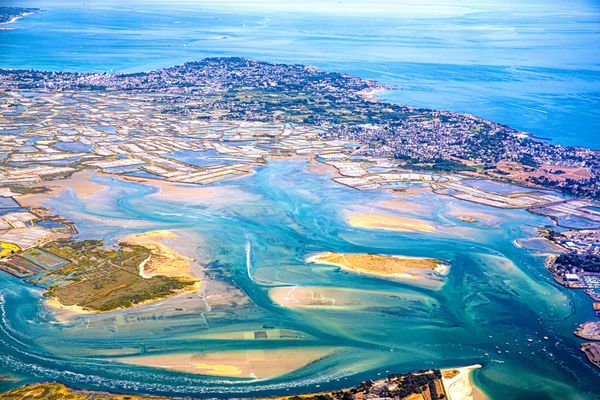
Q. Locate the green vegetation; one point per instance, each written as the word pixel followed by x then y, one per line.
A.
pixel 104 279
pixel 284 105
pixel 427 383
pixel 397 386
pixel 57 391
pixel 438 164
pixel 28 189
pixel 573 261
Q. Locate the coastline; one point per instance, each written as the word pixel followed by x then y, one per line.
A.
pixel 421 271
pixel 16 18
pixel 164 261
pixel 459 385
pixel 402 224
pixel 371 94
pixel 452 384
pixel 171 263
pixel 246 364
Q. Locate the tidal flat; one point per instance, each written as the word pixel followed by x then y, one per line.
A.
pixel 251 237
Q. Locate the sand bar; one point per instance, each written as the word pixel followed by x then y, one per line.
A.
pixel 81 183
pixel 192 193
pixel 386 266
pixel 400 205
pixel 252 364
pixel 389 223
pixel 459 385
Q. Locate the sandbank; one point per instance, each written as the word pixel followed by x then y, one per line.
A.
pixel 389 222
pixel 474 217
pixel 190 193
pixel 165 261
pixel 390 267
pixel 338 298
pixel 304 297
pixel 252 364
pixel 254 334
pixel 318 168
pixel 370 93
pixel 81 183
pixel 63 313
pixel 459 385
pixel 400 205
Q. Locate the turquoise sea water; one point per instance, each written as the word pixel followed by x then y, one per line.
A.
pixel 497 296
pixel 534 65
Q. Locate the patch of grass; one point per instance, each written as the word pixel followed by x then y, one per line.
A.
pixel 105 279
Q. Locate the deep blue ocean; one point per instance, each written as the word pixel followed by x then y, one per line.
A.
pixel 534 65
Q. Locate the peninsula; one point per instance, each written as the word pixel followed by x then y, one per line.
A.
pixel 11 14
pixel 180 143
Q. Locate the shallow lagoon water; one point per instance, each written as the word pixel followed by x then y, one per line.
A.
pixel 497 296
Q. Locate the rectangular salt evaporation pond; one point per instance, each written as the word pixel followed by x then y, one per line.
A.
pixel 144 174
pixel 32 140
pixel 43 259
pixel 495 187
pixel 51 224
pixel 123 169
pixel 106 129
pixel 538 245
pixel 394 185
pixel 238 143
pixel 8 210
pixel 8 202
pixel 199 158
pixel 76 147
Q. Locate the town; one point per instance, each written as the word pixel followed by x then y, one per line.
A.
pixel 341 107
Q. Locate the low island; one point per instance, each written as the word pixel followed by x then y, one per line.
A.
pixel 418 270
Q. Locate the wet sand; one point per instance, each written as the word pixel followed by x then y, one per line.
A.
pixel 304 297
pixel 252 364
pixel 400 205
pixel 81 183
pixel 459 385
pixel 190 193
pixel 389 222
pixel 315 167
pixel 165 261
pixel 65 314
pixel 465 215
pixel 258 333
